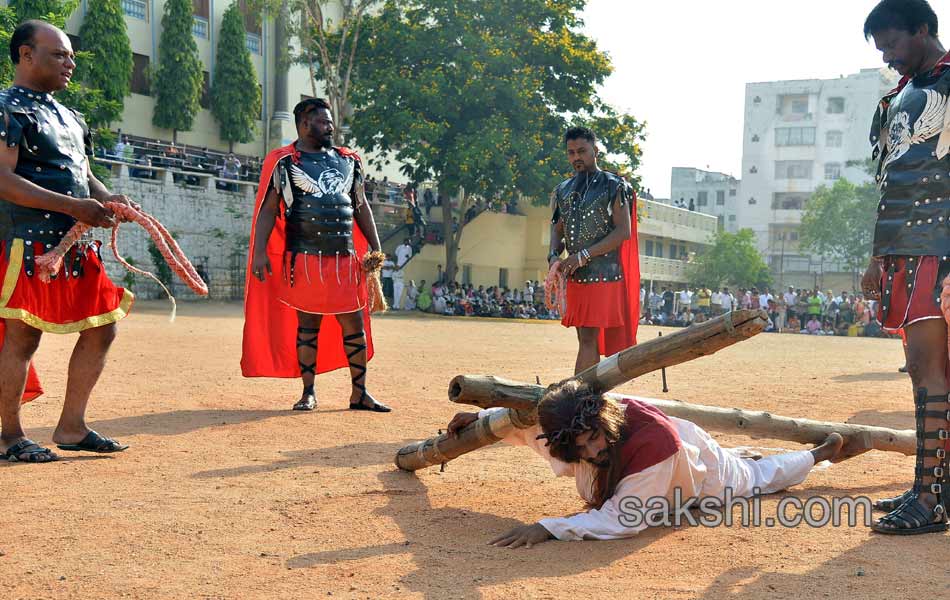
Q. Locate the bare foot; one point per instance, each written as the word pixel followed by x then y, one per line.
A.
pixel 828 449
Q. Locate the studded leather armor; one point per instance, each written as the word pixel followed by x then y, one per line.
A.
pixel 911 136
pixel 318 190
pixel 584 203
pixel 53 144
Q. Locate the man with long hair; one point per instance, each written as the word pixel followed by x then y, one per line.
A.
pixel 910 135
pixel 624 454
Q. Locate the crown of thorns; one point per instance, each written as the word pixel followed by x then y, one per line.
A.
pixel 583 420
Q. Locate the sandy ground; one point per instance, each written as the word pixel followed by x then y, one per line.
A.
pixel 227 494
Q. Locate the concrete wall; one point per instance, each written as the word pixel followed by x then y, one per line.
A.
pixel 211 226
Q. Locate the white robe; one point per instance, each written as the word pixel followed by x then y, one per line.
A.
pixel 700 469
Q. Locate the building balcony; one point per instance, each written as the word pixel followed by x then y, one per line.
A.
pixel 680 224
pixel 662 269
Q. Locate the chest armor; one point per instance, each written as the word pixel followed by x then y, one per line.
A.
pixel 317 191
pixel 913 217
pixel 53 142
pixel 585 206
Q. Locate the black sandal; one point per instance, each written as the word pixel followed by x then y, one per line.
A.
pixel 19 452
pixel 93 442
pixel 308 401
pixel 889 504
pixel 357 381
pixel 912 516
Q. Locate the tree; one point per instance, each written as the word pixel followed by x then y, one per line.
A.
pixel 107 40
pixel 235 94
pixel 476 95
pixel 87 99
pixel 732 260
pixel 329 50
pixel 838 223
pixel 179 77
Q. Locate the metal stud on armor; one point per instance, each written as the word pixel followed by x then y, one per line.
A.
pixel 585 203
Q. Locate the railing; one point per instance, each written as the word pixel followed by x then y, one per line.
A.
pixel 665 213
pixel 137 9
pixel 662 269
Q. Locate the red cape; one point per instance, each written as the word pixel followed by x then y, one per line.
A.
pixel 33 388
pixel 615 339
pixel 270 327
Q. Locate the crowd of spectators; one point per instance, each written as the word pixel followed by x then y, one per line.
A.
pixel 467 300
pixel 801 311
pixel 145 155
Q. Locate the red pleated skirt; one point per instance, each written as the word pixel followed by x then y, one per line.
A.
pixel 324 285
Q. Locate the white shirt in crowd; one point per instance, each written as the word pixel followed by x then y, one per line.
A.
pixel 403 254
pixel 791 298
pixel 764 300
pixel 685 297
pixel 715 299
pixel 388 268
pixel 727 302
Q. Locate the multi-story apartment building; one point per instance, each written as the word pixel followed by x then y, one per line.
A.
pixel 708 192
pixel 797 136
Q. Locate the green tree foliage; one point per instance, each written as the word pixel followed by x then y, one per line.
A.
pixel 235 94
pixel 838 223
pixel 178 79
pixel 476 95
pixel 87 99
pixel 107 41
pixel 732 260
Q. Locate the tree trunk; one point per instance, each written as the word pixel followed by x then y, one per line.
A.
pixel 451 243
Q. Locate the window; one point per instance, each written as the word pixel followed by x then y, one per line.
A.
pixel 721 198
pixel 702 198
pixel 253 42
pixel 140 83
pixel 732 193
pixel 753 170
pixel 205 100
pixel 659 249
pixel 793 169
pixel 793 105
pixel 466 274
pixel 789 200
pixel 200 27
pixel 835 106
pixel 732 218
pixel 834 139
pixel 751 201
pixel 755 138
pixel 832 171
pixel 757 100
pixel 795 136
pixel 137 9
pixel 649 248
pixel 673 248
pixel 502 277
pixel 252 25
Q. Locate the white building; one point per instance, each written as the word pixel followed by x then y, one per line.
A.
pixel 797 136
pixel 709 192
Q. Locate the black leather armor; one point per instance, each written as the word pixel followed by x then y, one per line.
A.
pixel 585 205
pixel 911 132
pixel 319 191
pixel 53 146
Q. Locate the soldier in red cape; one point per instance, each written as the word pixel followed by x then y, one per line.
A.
pixel 306 263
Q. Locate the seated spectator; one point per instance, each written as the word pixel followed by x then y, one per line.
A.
pixel 794 324
pixel 412 294
pixel 813 327
pixel 827 328
pixel 424 301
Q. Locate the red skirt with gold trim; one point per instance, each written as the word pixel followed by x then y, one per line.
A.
pixel 67 304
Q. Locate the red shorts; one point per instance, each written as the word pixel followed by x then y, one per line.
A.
pixel 908 291
pixel 323 285
pixel 66 304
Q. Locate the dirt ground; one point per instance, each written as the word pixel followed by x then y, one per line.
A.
pixel 225 493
